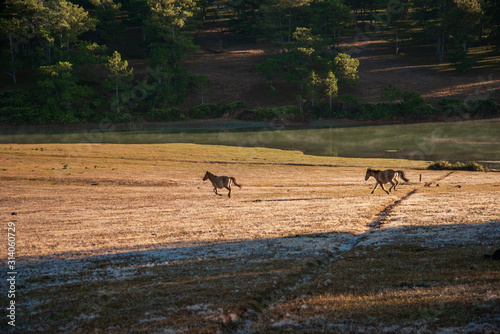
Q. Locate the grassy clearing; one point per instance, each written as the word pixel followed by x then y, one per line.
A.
pixel 121 238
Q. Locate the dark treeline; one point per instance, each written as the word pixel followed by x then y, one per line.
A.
pixel 73 71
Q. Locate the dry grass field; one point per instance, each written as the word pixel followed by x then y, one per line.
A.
pixel 128 238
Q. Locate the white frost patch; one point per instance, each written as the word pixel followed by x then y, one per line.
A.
pixel 86 317
pixel 198 307
pixel 152 319
pixel 57 270
pixel 282 323
pixel 437 236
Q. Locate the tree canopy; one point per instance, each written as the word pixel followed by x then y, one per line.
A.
pixel 76 53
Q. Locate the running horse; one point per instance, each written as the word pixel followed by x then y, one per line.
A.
pixel 385 176
pixel 220 182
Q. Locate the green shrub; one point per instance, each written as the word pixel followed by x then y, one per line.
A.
pixel 412 98
pixel 484 107
pixel 348 100
pixel 461 60
pixel 322 111
pixel 439 165
pixel 19 115
pixel 237 105
pixel 390 93
pixel 285 112
pixel 18 107
pixel 212 110
pixel 378 110
pixel 479 107
pixel 17 98
pixel 426 110
pixel 469 166
pixel 206 110
pixel 452 107
pixel 163 115
pixel 475 167
pixel 413 106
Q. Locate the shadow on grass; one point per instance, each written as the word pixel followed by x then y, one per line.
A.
pixel 212 286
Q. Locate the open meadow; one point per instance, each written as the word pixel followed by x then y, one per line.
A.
pixel 121 238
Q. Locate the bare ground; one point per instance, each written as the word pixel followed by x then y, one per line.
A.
pixel 129 238
pixel 232 75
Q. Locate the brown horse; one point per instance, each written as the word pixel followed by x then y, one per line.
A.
pixel 221 182
pixel 385 176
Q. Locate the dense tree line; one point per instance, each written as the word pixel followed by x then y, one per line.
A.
pixel 69 47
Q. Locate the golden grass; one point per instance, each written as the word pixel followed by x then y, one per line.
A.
pixel 129 238
pixel 90 198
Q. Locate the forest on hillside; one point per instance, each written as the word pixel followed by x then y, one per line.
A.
pixel 72 71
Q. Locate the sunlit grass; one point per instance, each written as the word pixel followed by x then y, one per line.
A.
pixel 115 238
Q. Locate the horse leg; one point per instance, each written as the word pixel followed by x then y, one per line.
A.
pixel 397 182
pixel 215 191
pixel 393 185
pixel 375 188
pixel 229 193
pixel 384 189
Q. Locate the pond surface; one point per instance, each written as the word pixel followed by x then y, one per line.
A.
pixel 477 140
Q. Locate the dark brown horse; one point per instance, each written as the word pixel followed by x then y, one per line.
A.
pixel 385 176
pixel 220 182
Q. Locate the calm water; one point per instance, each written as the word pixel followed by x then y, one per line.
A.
pixel 477 140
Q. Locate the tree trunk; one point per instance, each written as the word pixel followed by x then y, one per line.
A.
pixel 371 19
pixel 397 40
pixel 57 91
pixel 174 65
pixel 440 48
pixel 49 55
pixel 173 48
pixel 13 59
pixel 117 97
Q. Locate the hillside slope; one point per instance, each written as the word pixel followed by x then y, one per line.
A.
pixel 233 77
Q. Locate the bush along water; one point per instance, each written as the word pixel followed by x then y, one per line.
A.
pixel 18 107
pixel 412 107
pixel 466 166
pixel 212 110
pixel 278 113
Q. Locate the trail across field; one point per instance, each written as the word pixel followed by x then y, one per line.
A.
pixel 129 238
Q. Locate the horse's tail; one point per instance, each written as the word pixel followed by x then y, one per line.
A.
pixel 234 181
pixel 403 175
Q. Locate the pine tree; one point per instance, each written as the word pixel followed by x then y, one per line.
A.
pixel 16 25
pixel 313 85
pixel 168 17
pixel 332 88
pixel 119 75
